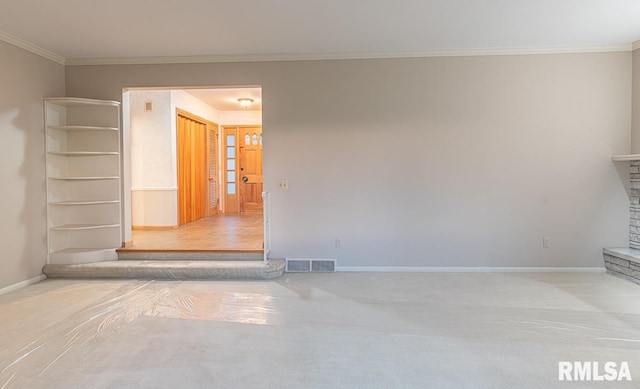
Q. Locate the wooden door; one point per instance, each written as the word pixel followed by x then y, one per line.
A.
pixel 250 183
pixel 192 169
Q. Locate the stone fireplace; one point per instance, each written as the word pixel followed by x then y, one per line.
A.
pixel 625 262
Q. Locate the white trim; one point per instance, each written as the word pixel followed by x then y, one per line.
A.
pixel 79 101
pixel 8 38
pixel 625 157
pixel 336 56
pixel 424 269
pixel 266 220
pixel 22 284
pixel 143 188
pixel 301 57
pixel 30 47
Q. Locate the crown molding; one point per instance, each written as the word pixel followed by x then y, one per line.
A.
pixel 635 45
pixel 15 41
pixel 30 47
pixel 338 56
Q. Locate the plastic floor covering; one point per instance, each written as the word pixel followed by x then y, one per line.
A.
pixel 170 270
pixel 340 330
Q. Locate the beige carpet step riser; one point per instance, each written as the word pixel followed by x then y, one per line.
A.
pixel 177 270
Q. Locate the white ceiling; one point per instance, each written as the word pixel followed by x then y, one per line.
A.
pixel 226 99
pixel 76 29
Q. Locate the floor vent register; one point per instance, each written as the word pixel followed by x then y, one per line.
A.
pixel 307 265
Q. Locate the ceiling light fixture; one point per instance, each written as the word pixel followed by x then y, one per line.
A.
pixel 245 102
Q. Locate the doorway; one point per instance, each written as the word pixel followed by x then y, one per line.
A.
pixel 250 169
pixel 243 169
pixel 181 176
pixel 192 160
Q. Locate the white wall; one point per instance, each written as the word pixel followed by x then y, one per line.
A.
pixel 151 140
pixel 26 79
pixel 635 132
pixel 153 153
pixel 153 172
pixel 453 161
pixel 251 118
pixel 186 102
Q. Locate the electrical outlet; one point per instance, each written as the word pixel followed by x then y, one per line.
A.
pixel 283 184
pixel 545 242
pixel 338 243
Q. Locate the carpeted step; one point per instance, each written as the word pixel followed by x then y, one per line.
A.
pixel 165 269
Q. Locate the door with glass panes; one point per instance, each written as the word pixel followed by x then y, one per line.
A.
pixel 243 165
pixel 250 174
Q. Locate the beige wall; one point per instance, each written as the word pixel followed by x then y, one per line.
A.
pixel 25 79
pixel 439 162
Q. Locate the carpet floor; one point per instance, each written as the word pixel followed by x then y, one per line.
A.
pixel 340 330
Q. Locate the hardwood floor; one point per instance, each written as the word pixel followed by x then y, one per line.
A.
pixel 242 232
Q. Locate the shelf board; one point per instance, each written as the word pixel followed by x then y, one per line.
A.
pixel 85 178
pixel 77 101
pixel 84 202
pixel 79 227
pixel 75 250
pixel 625 157
pixel 83 128
pixel 83 153
pixel 77 255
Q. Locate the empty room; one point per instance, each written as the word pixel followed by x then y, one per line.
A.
pixel 287 194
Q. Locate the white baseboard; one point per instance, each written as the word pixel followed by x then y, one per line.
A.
pixel 425 269
pixel 22 284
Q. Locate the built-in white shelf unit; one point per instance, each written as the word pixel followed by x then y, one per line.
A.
pixel 625 157
pixel 83 179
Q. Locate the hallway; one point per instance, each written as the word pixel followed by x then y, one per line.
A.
pixel 221 232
